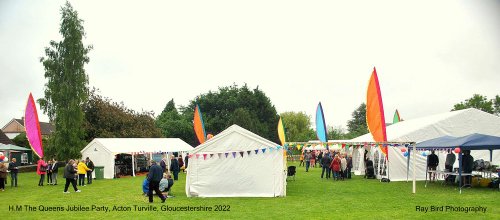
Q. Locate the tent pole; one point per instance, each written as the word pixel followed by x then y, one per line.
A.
pixel 414 170
pixel 491 155
pixel 408 165
pixel 460 171
pixel 133 165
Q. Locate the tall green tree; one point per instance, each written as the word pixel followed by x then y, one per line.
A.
pixel 107 119
pixel 477 101
pixel 250 109
pixel 357 125
pixel 496 105
pixel 172 124
pixel 298 126
pixel 66 89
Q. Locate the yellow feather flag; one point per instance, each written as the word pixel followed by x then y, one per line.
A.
pixel 281 132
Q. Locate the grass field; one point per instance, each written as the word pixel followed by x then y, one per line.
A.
pixel 309 197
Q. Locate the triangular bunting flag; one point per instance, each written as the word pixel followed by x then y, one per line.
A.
pixel 249 151
pixel 257 151
pixel 220 155
pixel 271 149
pixel 343 146
pixel 227 154
pixel 204 156
pixel 278 147
pixel 263 150
pixel 211 155
pixel 197 155
pixel 241 153
pixel 234 154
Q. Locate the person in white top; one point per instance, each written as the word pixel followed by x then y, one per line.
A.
pixel 343 167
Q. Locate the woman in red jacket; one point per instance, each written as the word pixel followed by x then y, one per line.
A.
pixel 41 169
pixel 335 166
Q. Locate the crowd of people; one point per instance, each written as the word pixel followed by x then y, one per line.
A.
pixel 159 179
pixel 74 170
pixel 331 162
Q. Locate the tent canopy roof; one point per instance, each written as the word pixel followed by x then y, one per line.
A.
pixel 234 138
pixel 455 123
pixel 147 145
pixel 12 147
pixel 468 142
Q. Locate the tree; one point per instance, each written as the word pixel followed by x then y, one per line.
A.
pixel 250 109
pixel 298 126
pixel 477 101
pixel 66 89
pixel 107 119
pixel 357 125
pixel 336 133
pixel 496 105
pixel 172 124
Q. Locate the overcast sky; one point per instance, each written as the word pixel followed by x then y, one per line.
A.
pixel 429 55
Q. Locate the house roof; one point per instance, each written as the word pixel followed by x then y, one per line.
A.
pixel 45 127
pixel 4 139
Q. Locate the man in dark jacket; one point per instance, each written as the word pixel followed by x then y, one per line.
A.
pixel 349 166
pixel 13 172
pixel 69 174
pixel 90 165
pixel 326 160
pixel 186 161
pixel 154 177
pixel 174 167
pixel 432 163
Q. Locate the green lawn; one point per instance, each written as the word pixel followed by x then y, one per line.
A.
pixel 309 197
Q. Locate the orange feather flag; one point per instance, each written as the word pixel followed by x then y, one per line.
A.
pixel 199 126
pixel 375 111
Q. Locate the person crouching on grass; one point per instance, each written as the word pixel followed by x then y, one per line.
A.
pixel 154 177
pixel 69 174
pixel 82 170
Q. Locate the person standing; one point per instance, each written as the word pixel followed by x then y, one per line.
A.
pixel 49 173
pixel 320 155
pixel 154 177
pixel 69 175
pixel 3 175
pixel 174 167
pixel 13 172
pixel 325 165
pixel 163 164
pixel 55 169
pixel 307 159
pixel 335 166
pixel 90 165
pixel 349 166
pixel 186 161
pixel 82 170
pixel 450 160
pixel 41 169
pixel 432 163
pixel 343 167
pixel 181 162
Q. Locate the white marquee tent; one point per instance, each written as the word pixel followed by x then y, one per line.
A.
pixel 102 151
pixel 456 123
pixel 233 164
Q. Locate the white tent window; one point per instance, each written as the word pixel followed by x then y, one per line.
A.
pixel 24 158
pixel 376 159
pixel 355 159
